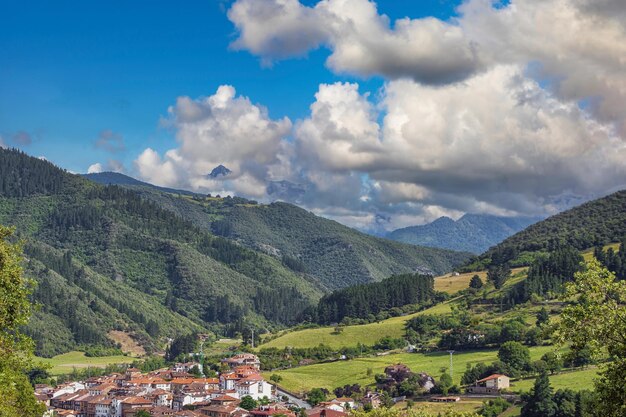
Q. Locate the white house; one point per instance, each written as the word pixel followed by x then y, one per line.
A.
pixel 254 386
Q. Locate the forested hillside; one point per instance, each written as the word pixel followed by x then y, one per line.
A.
pixel 472 233
pixel 361 301
pixel 337 255
pixel 591 224
pixel 105 259
pixel 334 255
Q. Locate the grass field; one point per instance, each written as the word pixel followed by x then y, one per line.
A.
pixel 588 254
pixel 65 363
pixel 465 405
pixel 575 380
pixel 332 375
pixel 453 284
pixel 368 334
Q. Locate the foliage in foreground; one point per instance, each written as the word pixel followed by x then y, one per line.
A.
pixel 16 350
pixel 598 321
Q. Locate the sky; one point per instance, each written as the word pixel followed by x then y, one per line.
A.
pixel 379 114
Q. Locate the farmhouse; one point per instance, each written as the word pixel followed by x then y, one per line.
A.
pixel 490 385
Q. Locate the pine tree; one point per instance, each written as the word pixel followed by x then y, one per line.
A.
pixel 539 402
pixel 476 282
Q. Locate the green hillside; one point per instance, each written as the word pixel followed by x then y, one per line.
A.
pixel 594 223
pixel 335 256
pixel 106 259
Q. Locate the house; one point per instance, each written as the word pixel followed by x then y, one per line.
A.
pixel 490 385
pixel 132 373
pixel 225 400
pixel 131 405
pixel 254 386
pixel 270 410
pixel 101 407
pixel 227 381
pixel 372 399
pixel 345 402
pixel 247 359
pixel 184 398
pixel 222 411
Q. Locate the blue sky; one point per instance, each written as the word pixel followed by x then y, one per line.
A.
pixel 387 113
pixel 71 69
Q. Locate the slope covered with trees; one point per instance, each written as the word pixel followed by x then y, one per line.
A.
pixel 106 259
pixel 361 301
pixel 337 255
pixel 591 224
pixel 333 255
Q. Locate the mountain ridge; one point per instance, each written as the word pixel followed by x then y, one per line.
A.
pixel 472 232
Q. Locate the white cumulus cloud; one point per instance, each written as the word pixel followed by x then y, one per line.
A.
pixel 362 40
pixel 222 129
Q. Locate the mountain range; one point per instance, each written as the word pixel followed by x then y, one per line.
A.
pixel 472 233
pixel 112 253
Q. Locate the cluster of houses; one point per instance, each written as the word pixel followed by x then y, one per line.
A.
pixel 165 392
pixel 177 393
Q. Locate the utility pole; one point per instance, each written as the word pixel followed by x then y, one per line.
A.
pixel 451 370
pixel 202 357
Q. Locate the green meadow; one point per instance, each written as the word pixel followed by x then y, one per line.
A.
pixel 362 370
pixel 65 363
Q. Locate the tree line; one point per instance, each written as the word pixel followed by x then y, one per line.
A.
pixel 360 301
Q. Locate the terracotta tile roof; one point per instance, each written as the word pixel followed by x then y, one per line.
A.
pixel 490 377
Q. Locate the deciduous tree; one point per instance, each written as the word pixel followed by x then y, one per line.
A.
pixel 16 358
pixel 597 320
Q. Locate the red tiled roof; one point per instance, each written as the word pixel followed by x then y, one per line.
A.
pixel 489 378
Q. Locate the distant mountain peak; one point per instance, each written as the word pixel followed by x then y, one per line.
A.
pixel 473 232
pixel 219 171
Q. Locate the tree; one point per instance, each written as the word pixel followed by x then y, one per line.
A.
pixel 275 378
pixel 316 396
pixel 553 362
pixel 16 349
pixel 248 403
pixel 142 413
pixel 495 407
pixel 542 317
pixel 597 321
pixel 498 274
pixel 515 355
pixel 476 282
pixel 539 402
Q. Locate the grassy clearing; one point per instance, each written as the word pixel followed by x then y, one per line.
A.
pixel 368 334
pixel 222 347
pixel 65 363
pixel 465 405
pixel 452 284
pixel 332 375
pixel 575 380
pixel 588 254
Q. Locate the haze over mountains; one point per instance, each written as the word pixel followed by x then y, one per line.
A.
pixel 472 233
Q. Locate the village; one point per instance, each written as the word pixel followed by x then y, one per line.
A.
pixel 239 391
pixel 176 392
